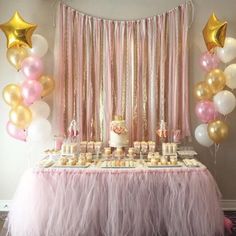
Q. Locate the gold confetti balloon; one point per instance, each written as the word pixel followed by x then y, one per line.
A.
pixel 218 131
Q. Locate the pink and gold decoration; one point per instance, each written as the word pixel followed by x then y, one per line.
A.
pixel 202 91
pixel 214 32
pixel 28 115
pixel 12 95
pixel 18 32
pixel 218 131
pixel 138 69
pixel 215 100
pixel 209 61
pixel 15 56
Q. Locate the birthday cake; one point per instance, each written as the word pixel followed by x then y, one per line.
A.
pixel 118 133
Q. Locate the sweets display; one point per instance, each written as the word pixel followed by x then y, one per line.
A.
pixel 118 133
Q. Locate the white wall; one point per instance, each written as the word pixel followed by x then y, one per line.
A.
pixel 13 154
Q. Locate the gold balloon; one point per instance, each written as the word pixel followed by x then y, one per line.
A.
pixel 214 32
pixel 16 55
pixel 48 84
pixel 216 80
pixel 18 31
pixel 202 91
pixel 218 130
pixel 21 116
pixel 12 95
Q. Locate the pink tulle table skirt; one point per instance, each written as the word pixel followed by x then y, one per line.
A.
pixel 116 202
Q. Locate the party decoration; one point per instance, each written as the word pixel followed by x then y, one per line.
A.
pixel 201 135
pixel 31 91
pixel 16 55
pixel 39 46
pixel 218 131
pixel 20 116
pixel 228 52
pixel 230 74
pixel 48 84
pixel 225 102
pixel 214 32
pixel 18 31
pixel 205 111
pixel 40 109
pixel 39 130
pixel 32 67
pixel 209 61
pixel 202 91
pixel 216 80
pixel 15 132
pixel 12 95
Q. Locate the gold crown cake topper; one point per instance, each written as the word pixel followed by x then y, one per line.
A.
pixel 118 117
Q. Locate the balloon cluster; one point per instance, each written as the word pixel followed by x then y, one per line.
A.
pixel 214 101
pixel 28 114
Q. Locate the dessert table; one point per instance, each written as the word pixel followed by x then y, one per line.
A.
pixel 115 202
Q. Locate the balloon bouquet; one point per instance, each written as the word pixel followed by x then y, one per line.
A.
pixel 213 98
pixel 29 113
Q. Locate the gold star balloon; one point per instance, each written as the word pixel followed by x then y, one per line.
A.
pixel 18 31
pixel 214 32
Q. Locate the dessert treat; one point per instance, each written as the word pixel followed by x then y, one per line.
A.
pixel 154 161
pixel 144 147
pixel 151 146
pixel 131 153
pixel 137 147
pixel 118 152
pixel 81 162
pixel 63 161
pixel 89 157
pixel 83 146
pixel 169 148
pixel 107 152
pixel 72 162
pixel 118 133
pixel 150 155
pixel 90 146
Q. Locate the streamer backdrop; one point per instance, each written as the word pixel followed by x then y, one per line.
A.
pixel 137 69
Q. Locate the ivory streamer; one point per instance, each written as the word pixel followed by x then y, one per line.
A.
pixel 138 69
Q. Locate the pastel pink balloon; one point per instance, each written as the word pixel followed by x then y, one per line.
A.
pixel 32 67
pixel 209 61
pixel 205 111
pixel 15 132
pixel 31 91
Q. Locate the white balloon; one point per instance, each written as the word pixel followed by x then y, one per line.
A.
pixel 230 74
pixel 224 102
pixel 39 46
pixel 39 130
pixel 40 109
pixel 228 52
pixel 202 136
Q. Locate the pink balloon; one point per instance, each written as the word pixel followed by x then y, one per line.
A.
pixel 32 67
pixel 209 61
pixel 15 132
pixel 31 91
pixel 205 111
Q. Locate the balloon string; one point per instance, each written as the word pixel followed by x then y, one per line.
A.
pixel 225 118
pixel 216 149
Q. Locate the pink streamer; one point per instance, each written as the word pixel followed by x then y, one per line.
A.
pixel 116 202
pixel 96 58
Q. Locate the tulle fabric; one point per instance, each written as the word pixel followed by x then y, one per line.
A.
pixel 70 202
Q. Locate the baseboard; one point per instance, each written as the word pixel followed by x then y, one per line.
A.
pixel 228 205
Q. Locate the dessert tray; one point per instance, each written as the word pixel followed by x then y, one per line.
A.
pixel 178 164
